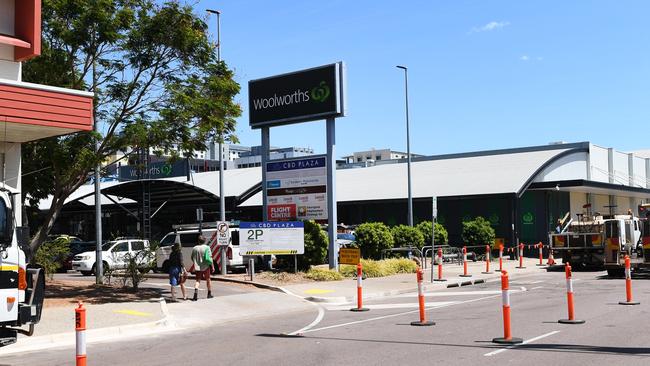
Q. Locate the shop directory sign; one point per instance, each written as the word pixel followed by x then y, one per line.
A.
pixel 265 238
pixel 297 189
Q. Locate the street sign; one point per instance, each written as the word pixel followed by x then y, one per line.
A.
pixel 297 189
pixel 349 255
pixel 264 238
pixel 300 96
pixel 435 207
pixel 199 214
pixel 223 233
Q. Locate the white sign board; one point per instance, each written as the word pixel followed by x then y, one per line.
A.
pixel 223 233
pixel 297 189
pixel 264 238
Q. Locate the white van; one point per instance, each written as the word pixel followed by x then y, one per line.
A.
pixel 188 239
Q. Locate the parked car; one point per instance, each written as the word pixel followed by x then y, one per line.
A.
pixel 76 247
pixel 113 255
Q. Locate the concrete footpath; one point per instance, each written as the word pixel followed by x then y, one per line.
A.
pixel 134 319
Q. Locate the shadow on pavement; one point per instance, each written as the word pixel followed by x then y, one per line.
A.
pixel 90 293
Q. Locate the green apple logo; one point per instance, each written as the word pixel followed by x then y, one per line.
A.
pixel 321 92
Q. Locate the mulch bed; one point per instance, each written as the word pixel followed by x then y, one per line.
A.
pixel 66 292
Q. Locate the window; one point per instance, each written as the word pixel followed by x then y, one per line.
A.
pixel 358 160
pixel 168 240
pixel 5 216
pixel 137 245
pixel 378 157
pixel 189 240
pixel 121 247
pixel 234 237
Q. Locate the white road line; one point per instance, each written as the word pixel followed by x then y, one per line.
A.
pixel 535 288
pixel 394 315
pixel 458 293
pixel 524 342
pixel 390 306
pixel 319 317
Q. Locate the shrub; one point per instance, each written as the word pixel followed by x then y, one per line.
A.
pixel 137 265
pixel 383 268
pixel 478 232
pixel 401 265
pixel 322 274
pixel 50 254
pixel 407 236
pixel 316 243
pixel 441 238
pixel 372 238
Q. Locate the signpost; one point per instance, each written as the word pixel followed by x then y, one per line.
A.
pixel 434 214
pixel 301 96
pixel 265 238
pixel 223 234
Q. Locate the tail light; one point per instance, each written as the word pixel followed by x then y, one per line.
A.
pixel 22 279
pixel 229 253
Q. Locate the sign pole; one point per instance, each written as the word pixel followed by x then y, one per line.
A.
pixel 434 213
pixel 266 147
pixel 331 193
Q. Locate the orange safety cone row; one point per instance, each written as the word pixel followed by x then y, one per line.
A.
pixel 628 284
pixel 359 290
pixel 500 257
pixel 569 298
pixel 423 316
pixel 505 299
pixel 80 330
pixel 465 264
pixel 521 256
pixel 487 260
pixel 439 266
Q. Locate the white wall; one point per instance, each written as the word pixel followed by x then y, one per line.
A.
pixel 569 167
pixel 621 168
pixel 576 201
pixel 640 178
pixel 598 160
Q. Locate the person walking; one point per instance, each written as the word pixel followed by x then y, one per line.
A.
pixel 177 272
pixel 203 267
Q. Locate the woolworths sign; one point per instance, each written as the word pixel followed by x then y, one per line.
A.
pixel 300 96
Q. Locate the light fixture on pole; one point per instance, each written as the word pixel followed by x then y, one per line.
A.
pixel 408 146
pixel 222 199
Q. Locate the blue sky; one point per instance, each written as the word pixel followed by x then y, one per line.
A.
pixel 482 74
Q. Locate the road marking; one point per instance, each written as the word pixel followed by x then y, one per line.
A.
pixel 537 287
pixel 317 291
pixel 459 293
pixel 391 316
pixel 132 312
pixel 390 306
pixel 524 342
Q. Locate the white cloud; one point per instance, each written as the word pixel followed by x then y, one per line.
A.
pixel 524 58
pixel 490 27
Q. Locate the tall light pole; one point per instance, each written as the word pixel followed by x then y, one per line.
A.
pixel 408 145
pixel 222 199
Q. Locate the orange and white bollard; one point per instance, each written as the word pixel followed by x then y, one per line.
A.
pixel 80 328
pixel 505 299
pixel 487 260
pixel 440 279
pixel 500 257
pixel 628 284
pixel 541 254
pixel 521 256
pixel 359 290
pixel 465 264
pixel 423 315
pixel 569 298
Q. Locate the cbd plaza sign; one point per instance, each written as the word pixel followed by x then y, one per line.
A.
pixel 299 96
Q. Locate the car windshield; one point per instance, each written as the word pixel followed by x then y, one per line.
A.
pixel 106 246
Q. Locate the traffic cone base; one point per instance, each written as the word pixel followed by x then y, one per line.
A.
pixel 440 279
pixel 569 321
pixel 540 265
pixel 423 324
pixel 465 275
pixel 520 267
pixel 359 309
pixel 628 303
pixel 512 340
pixel 490 272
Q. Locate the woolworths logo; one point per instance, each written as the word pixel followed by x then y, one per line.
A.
pixel 319 93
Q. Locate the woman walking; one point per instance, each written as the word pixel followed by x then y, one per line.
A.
pixel 177 273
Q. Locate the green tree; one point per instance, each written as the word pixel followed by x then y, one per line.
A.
pixel 316 243
pixel 373 238
pixel 407 236
pixel 478 232
pixel 50 255
pixel 156 81
pixel 441 235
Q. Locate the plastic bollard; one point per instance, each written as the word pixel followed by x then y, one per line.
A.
pixel 465 264
pixel 440 279
pixel 521 256
pixel 505 302
pixel 569 298
pixel 359 290
pixel 80 330
pixel 541 254
pixel 423 316
pixel 628 284
pixel 487 260
pixel 500 257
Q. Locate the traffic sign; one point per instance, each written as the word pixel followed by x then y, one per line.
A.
pixel 223 233
pixel 349 255
pixel 263 238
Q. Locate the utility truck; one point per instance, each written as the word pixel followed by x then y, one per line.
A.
pixel 603 240
pixel 21 286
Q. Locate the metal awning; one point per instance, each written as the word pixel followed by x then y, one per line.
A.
pixel 162 192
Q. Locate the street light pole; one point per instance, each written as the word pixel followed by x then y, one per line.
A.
pixel 408 146
pixel 222 199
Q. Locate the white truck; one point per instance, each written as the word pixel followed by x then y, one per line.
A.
pixel 22 288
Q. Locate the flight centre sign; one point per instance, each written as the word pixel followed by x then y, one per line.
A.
pixel 300 96
pixel 297 189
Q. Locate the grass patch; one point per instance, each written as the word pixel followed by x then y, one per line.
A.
pixel 322 274
pixel 382 268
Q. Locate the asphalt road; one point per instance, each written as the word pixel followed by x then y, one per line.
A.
pixel 467 319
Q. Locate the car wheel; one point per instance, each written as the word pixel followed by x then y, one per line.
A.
pixel 87 273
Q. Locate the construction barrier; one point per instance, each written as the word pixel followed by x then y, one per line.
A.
pixel 359 290
pixel 487 260
pixel 465 264
pixel 80 330
pixel 541 254
pixel 505 299
pixel 628 284
pixel 439 267
pixel 500 257
pixel 521 256
pixel 423 316
pixel 569 298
